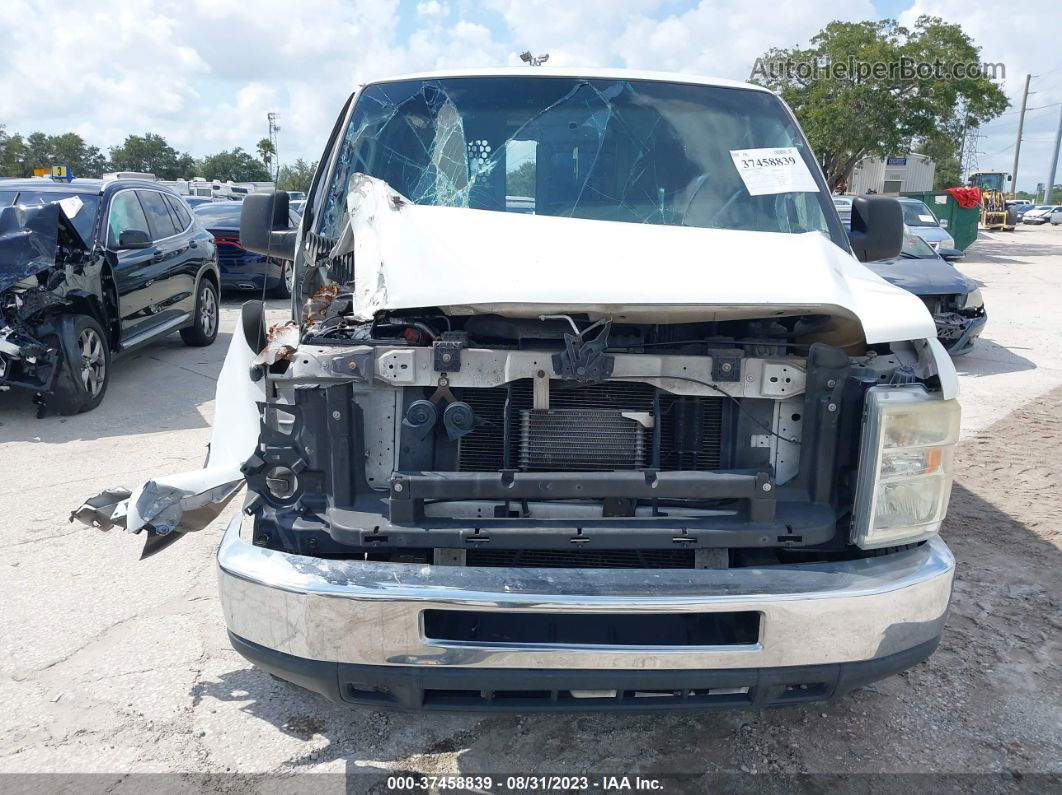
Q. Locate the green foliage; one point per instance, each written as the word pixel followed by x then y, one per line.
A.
pixel 521 181
pixel 236 165
pixel 943 151
pixel 19 156
pixel 296 176
pixel 151 153
pixel 883 113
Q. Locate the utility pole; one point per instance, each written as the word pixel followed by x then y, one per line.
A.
pixel 1017 144
pixel 274 139
pixel 1054 162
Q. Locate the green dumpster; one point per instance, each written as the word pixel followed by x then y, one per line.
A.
pixel 961 223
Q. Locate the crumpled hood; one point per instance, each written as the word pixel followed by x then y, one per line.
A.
pixel 924 276
pixel 28 240
pixel 476 261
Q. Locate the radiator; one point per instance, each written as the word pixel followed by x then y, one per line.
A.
pixel 585 429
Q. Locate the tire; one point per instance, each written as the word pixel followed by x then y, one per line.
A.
pixel 88 369
pixel 204 330
pixel 287 274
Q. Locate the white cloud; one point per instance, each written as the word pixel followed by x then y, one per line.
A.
pixel 1022 39
pixel 433 8
pixel 204 73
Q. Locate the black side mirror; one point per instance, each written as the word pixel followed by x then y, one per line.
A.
pixel 877 228
pixel 264 225
pixel 134 238
pixel 950 254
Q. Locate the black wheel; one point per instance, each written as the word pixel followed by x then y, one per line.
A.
pixel 205 328
pixel 87 365
pixel 287 277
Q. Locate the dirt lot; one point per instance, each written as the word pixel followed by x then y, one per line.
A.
pixel 115 666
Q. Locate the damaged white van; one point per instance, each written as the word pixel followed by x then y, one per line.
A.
pixel 590 404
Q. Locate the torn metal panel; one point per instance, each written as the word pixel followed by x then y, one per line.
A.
pixel 188 501
pixel 282 340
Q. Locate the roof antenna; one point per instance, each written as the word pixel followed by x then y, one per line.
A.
pixel 533 60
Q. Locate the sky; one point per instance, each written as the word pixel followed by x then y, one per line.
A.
pixel 204 73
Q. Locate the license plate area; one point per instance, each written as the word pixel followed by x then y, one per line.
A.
pixel 596 630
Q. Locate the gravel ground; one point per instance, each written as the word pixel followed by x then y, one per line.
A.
pixel 115 666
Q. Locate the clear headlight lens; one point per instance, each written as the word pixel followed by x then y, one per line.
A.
pixel 948 242
pixel 973 300
pixel 905 466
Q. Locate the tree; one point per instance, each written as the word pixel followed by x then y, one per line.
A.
pixel 266 151
pixel 521 181
pixel 150 152
pixel 877 108
pixel 236 165
pixel 943 151
pixel 18 157
pixel 13 155
pixel 296 176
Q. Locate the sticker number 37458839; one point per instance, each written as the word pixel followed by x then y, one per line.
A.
pixel 773 170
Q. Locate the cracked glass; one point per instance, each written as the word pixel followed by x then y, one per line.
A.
pixel 634 151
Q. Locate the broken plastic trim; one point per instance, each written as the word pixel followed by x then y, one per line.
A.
pixel 171 505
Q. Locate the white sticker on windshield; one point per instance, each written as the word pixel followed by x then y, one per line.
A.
pixel 71 205
pixel 767 171
pixel 926 219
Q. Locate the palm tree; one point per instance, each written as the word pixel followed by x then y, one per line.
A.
pixel 266 151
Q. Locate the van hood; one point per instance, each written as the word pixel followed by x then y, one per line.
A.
pixel 467 261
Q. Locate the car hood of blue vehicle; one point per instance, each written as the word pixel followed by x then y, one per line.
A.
pixel 928 276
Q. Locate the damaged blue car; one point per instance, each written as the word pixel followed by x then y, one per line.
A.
pixel 91 269
pixel 952 298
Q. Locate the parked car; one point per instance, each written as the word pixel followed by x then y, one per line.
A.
pixel 90 269
pixel 952 298
pixel 843 204
pixel 242 269
pixel 1040 214
pixel 196 201
pixel 918 217
pixel 664 443
pixel 1021 209
pixel 1056 216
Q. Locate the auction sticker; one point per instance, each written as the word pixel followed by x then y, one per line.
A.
pixel 72 205
pixel 766 171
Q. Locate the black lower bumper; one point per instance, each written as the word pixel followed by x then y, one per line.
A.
pixel 536 690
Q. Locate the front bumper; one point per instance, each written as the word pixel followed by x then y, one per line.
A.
pixel 354 630
pixel 958 332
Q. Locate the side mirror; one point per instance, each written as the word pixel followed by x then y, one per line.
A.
pixel 950 254
pixel 264 226
pixel 877 228
pixel 134 238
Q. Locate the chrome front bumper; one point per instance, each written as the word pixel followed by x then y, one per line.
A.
pixel 366 613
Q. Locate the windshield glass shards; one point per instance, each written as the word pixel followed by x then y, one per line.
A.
pixel 614 150
pixel 81 208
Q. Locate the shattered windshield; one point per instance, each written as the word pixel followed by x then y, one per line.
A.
pixel 615 150
pixel 81 210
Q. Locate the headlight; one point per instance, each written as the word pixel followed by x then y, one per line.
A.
pixel 973 300
pixel 948 242
pixel 905 466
